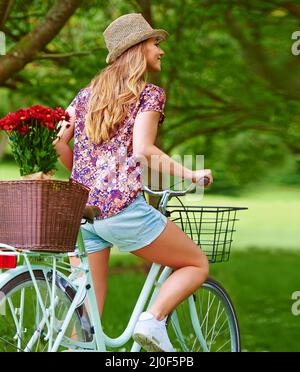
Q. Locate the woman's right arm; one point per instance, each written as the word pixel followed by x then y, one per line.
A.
pixel 62 143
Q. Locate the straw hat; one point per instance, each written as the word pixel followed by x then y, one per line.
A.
pixel 127 31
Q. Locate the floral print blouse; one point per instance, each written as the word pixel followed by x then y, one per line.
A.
pixel 110 169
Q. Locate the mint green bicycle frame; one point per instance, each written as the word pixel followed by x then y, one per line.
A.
pixel 85 290
pixel 101 341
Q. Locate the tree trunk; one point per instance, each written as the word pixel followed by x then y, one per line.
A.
pixel 5 7
pixel 34 42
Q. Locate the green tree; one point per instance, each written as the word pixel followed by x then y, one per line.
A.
pixel 231 79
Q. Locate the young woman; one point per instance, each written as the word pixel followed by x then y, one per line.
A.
pixel 114 124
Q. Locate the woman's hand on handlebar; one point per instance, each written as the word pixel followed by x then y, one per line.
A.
pixel 203 177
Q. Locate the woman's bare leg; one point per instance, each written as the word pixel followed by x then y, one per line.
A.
pixel 99 268
pixel 175 249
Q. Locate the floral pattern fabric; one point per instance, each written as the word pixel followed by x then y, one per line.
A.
pixel 110 169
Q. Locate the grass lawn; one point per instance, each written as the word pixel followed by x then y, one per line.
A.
pixel 259 282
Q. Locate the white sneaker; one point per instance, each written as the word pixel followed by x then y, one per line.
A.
pixel 151 334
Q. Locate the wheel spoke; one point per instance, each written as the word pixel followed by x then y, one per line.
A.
pixel 25 327
pixel 212 330
pixel 9 343
pixel 219 331
pixel 216 318
pixel 220 348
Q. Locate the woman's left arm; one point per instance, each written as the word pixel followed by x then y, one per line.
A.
pixel 65 135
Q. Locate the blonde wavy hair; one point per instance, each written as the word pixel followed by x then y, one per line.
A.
pixel 113 90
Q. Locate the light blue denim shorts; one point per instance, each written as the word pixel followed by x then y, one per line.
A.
pixel 133 228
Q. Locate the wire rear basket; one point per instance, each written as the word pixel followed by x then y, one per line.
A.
pixel 210 227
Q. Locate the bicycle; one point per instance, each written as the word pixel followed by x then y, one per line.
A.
pixel 45 296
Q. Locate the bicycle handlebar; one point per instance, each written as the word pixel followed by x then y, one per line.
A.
pixel 174 193
pixel 91 212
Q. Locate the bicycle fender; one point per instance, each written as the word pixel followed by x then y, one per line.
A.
pixel 8 275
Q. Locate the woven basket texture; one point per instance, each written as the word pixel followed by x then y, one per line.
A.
pixel 41 215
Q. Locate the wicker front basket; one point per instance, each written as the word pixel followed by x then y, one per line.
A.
pixel 41 215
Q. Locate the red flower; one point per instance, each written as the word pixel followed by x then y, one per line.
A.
pixel 23 115
pixel 40 126
pixel 60 114
pixel 24 130
pixel 49 125
pixel 10 122
pixel 35 115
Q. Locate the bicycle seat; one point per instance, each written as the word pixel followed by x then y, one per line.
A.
pixel 90 213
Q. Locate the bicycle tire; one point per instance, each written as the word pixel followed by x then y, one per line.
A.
pixel 185 335
pixel 10 339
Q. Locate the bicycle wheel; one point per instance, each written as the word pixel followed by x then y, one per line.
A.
pixel 206 321
pixel 23 326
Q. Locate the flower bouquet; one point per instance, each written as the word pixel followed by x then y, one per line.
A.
pixel 31 133
pixel 38 213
